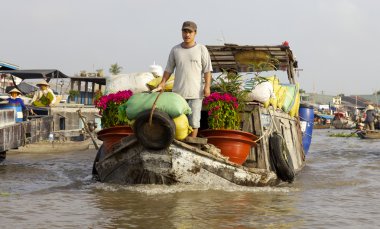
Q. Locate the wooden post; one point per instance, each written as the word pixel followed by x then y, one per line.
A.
pixel 93 92
pixel 79 87
pixel 72 84
pixel 85 92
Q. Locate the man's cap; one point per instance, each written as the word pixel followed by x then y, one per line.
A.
pixel 189 25
pixel 42 82
pixel 14 90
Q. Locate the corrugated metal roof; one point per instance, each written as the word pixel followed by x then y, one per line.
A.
pixel 24 87
pixel 36 73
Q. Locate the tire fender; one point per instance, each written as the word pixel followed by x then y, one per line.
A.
pixel 156 135
pixel 280 158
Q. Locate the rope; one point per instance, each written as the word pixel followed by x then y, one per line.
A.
pixel 269 131
pixel 154 106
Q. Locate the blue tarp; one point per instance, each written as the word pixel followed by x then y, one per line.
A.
pixel 325 116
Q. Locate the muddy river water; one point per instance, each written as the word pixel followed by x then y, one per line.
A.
pixel 338 188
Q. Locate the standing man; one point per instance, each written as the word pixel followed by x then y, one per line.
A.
pixel 370 118
pixel 190 61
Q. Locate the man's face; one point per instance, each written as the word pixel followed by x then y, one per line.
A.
pixel 43 87
pixel 188 36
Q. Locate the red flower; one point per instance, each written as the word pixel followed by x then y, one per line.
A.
pixel 222 111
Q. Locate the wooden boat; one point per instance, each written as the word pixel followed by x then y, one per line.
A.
pixel 321 126
pixel 277 155
pixel 368 134
pixel 341 121
pixel 56 146
pixel 32 133
pixel 322 121
pixel 131 163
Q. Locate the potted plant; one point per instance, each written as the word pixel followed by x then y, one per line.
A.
pixel 223 111
pixel 115 124
pixel 73 94
pixel 226 102
pixel 224 106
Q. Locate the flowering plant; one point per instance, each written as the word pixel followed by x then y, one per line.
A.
pixel 223 111
pixel 226 102
pixel 111 108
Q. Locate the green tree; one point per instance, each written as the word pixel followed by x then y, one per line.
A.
pixel 115 69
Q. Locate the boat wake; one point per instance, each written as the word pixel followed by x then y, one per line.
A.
pixel 165 189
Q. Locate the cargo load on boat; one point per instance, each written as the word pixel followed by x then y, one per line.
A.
pixel 266 149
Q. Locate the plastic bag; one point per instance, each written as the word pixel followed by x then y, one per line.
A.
pixel 182 127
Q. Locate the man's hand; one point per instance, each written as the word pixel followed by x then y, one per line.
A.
pixel 159 88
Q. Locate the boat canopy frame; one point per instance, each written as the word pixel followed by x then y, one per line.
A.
pixel 46 74
pixel 242 58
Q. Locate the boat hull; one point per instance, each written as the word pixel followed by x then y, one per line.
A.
pixel 369 134
pixel 55 146
pixel 178 164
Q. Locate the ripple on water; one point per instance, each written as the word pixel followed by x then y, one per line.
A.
pixel 165 189
pixel 338 188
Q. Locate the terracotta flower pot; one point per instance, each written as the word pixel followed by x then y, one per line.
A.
pixel 112 135
pixel 234 144
pixel 224 132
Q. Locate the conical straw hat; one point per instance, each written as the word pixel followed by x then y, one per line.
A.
pixel 43 82
pixel 370 107
pixel 14 90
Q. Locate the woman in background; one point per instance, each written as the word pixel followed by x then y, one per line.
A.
pixel 44 97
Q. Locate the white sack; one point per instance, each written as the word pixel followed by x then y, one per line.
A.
pixel 136 82
pixel 261 92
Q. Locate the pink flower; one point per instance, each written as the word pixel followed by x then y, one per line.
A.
pixel 117 98
pixel 222 111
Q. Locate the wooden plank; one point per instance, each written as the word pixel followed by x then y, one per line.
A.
pixel 223 58
pixel 221 53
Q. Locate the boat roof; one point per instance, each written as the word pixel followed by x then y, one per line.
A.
pixel 8 66
pixel 249 58
pixel 46 74
pixel 24 87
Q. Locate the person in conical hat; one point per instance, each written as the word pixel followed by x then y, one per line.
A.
pixel 14 98
pixel 44 96
pixel 370 117
pixel 42 82
pixel 14 92
pixel 370 107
